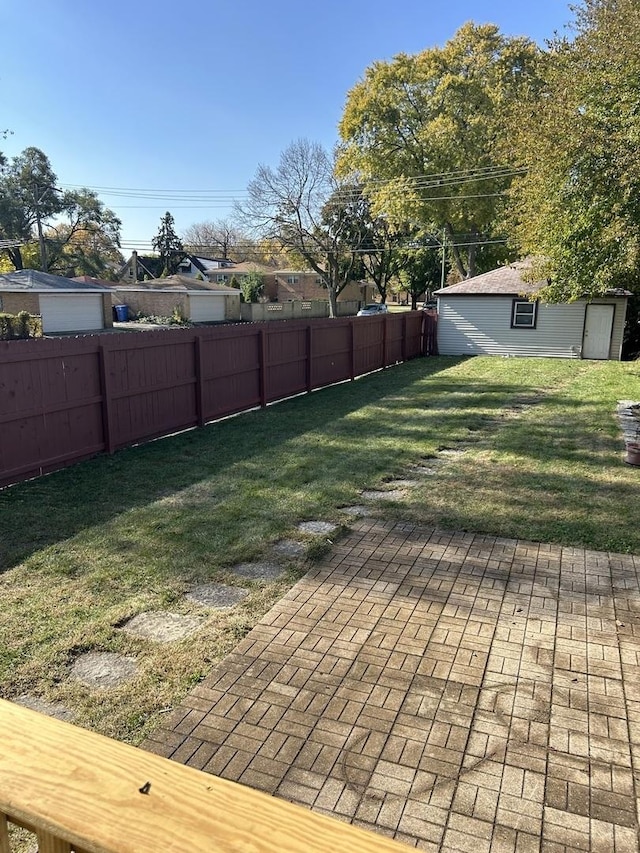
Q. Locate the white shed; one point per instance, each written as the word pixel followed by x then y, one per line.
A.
pixel 493 314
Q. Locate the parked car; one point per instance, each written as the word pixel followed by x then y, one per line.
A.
pixel 431 305
pixel 374 308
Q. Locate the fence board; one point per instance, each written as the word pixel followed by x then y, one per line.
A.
pixel 63 400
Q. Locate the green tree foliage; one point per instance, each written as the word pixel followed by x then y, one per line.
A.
pixel 82 237
pixel 300 207
pixel 421 132
pixel 86 239
pixel 421 272
pixel 251 286
pixel 28 189
pixel 577 208
pixel 168 245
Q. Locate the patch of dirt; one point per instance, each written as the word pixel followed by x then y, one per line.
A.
pixel 162 626
pixel 217 595
pixel 104 669
pixel 51 709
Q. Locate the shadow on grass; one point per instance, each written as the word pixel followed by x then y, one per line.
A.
pixel 53 508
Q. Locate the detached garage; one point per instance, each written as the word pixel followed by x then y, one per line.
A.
pixel 497 314
pixel 63 304
pixel 196 301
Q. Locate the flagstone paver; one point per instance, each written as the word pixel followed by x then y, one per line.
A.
pixel 456 691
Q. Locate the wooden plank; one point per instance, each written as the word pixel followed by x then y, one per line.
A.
pixel 48 843
pixel 86 790
pixel 5 847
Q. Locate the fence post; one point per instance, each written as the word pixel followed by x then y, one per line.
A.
pixel 352 375
pixel 385 344
pixel 404 337
pixel 309 358
pixel 263 367
pixel 105 389
pixel 199 367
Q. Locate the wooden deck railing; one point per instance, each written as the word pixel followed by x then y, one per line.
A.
pixel 79 791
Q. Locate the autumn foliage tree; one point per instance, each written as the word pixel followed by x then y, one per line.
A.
pixel 577 205
pixel 421 133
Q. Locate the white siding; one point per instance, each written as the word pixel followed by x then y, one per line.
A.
pixel 207 307
pixel 71 312
pixel 615 351
pixel 481 325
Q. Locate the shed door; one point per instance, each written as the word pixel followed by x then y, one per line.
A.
pixel 597 331
pixel 71 312
pixel 206 308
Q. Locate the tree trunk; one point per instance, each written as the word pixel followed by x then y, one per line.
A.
pixel 333 302
pixel 15 256
pixel 455 251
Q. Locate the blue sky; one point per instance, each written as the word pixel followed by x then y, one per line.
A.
pixel 186 98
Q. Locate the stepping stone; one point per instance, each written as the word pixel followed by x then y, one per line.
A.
pixel 403 484
pixel 51 709
pixel 317 528
pixel 258 571
pixel 423 470
pixel 104 669
pixel 377 495
pixel 162 626
pixel 450 451
pixel 358 511
pixel 217 595
pixel 289 548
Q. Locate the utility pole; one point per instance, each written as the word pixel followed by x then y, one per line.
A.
pixel 444 254
pixel 37 198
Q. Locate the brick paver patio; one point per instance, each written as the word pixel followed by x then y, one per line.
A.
pixel 458 692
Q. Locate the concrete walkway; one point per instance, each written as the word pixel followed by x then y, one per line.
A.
pixel 458 692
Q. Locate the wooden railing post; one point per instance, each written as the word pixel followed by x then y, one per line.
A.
pixel 50 844
pixel 4 835
pixel 263 367
pixel 106 407
pixel 199 366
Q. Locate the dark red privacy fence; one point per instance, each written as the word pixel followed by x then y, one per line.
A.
pixel 66 399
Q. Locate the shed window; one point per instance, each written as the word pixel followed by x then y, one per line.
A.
pixel 524 314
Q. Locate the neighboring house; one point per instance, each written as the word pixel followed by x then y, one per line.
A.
pixel 493 314
pixel 225 275
pixel 197 301
pixel 64 305
pixel 307 285
pixel 194 266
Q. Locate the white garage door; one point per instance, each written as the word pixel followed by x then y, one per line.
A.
pixel 206 307
pixel 71 312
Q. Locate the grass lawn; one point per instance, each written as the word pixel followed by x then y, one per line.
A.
pixel 88 547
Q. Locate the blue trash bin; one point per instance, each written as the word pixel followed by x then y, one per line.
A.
pixel 122 313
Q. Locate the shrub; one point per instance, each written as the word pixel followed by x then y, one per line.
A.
pixel 17 326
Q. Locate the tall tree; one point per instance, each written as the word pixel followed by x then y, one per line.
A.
pixel 577 207
pixel 168 245
pixel 86 239
pixel 303 207
pixel 29 196
pixel 421 132
pixel 219 237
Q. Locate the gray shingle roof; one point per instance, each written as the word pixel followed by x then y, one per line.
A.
pixel 36 280
pixel 505 280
